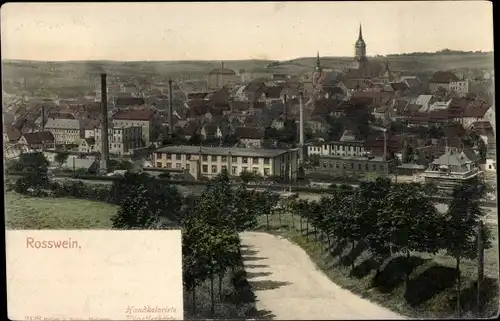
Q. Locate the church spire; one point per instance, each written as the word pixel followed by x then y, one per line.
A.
pixel 360 33
pixel 318 62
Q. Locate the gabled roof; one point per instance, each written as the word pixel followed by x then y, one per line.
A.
pixel 133 114
pixel 129 101
pixel 13 133
pixel 249 133
pixel 74 124
pixel 443 77
pixel 39 137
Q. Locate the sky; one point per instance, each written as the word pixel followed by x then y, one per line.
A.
pixel 239 30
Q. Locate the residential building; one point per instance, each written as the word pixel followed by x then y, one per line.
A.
pixel 222 77
pixel 353 165
pixel 450 169
pixel 210 132
pixel 148 119
pixel 209 161
pixel 441 80
pixel 121 140
pixel 38 140
pixel 250 137
pixel 66 131
pixel 338 148
pixel 460 86
pixel 87 145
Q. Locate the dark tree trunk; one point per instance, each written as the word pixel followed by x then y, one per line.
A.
pixel 212 297
pixel 194 300
pixel 458 286
pixel 267 220
pixel 221 276
pixel 352 254
pixel 407 270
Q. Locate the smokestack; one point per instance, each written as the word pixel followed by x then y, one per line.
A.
pixel 170 109
pixel 104 126
pixel 301 124
pixel 284 103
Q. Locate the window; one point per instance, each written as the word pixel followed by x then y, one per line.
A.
pixel 188 166
pixel 223 167
pixel 244 168
pixel 158 155
pixel 255 169
pixel 178 166
pixel 205 168
pixel 169 157
pixel 374 167
pixel 204 158
pixel 178 157
pixel 234 169
pixel 266 171
pixel 214 168
pixel 158 164
pixel 489 166
pixel 224 159
pixel 324 165
pixel 344 166
pixel 359 166
pixel 169 165
pixel 234 159
pixel 245 160
pixel 188 157
pixel 337 165
pixel 331 165
pixel 352 165
pixel 366 166
pixel 381 167
pixel 255 160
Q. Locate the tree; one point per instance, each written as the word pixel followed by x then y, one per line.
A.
pixel 135 211
pixel 460 221
pixel 412 221
pixel 34 176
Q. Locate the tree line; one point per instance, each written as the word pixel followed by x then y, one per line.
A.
pixel 400 219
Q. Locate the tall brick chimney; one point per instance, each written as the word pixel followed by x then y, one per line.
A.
pixel 104 126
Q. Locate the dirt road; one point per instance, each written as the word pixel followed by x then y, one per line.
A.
pixel 288 285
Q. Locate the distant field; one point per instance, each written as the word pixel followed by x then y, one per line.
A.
pixel 54 74
pixel 23 212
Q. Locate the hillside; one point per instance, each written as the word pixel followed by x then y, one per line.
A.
pixel 80 73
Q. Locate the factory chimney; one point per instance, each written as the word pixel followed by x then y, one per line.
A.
pixel 104 126
pixel 170 109
pixel 301 124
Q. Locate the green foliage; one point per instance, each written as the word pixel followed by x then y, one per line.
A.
pixel 33 167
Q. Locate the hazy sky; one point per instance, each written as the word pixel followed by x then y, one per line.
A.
pixel 244 30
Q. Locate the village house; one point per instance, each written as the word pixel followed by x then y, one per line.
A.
pixel 339 166
pixel 121 140
pixel 149 120
pixel 441 80
pixel 38 140
pixel 11 135
pixel 87 145
pixel 250 137
pixel 209 132
pixel 450 169
pixel 66 131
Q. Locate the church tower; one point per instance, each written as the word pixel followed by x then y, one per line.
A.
pixel 318 64
pixel 360 47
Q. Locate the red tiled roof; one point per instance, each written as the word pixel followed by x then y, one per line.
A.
pixel 476 109
pixel 249 133
pixel 39 137
pixel 12 133
pixel 442 77
pixel 142 115
pixel 129 101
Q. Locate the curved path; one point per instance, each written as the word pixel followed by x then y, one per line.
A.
pixel 289 286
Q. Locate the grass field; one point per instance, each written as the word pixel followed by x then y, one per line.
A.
pixel 22 212
pixel 237 300
pixel 431 289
